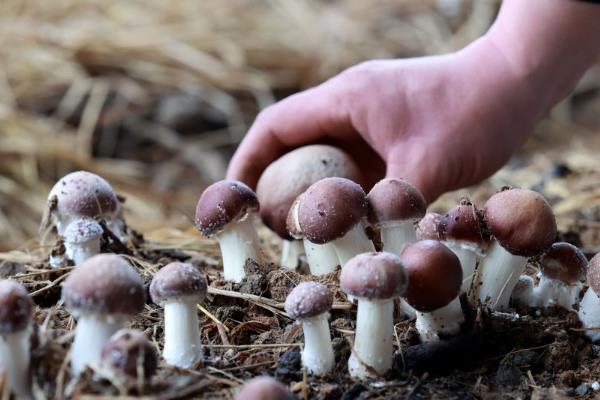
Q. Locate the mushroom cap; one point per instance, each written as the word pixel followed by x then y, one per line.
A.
pixel 177 281
pixel 290 175
pixel 330 208
pixel 104 284
pixel 521 220
pixel 564 262
pixel 434 275
pixel 224 202
pixel 83 194
pixel 264 388
pixel 394 199
pixel 428 227
pixel 16 307
pixel 308 300
pixel 463 224
pixel 82 230
pixel 125 349
pixel 593 273
pixel 374 276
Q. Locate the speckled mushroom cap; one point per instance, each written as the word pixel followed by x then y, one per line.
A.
pixel 16 307
pixel 177 281
pixel 521 220
pixel 434 275
pixel 394 199
pixel 564 262
pixel 308 300
pixel 104 284
pixel 428 227
pixel 83 194
pixel 82 230
pixel 264 388
pixel 374 276
pixel 593 274
pixel 224 202
pixel 463 224
pixel 125 349
pixel 290 175
pixel 330 208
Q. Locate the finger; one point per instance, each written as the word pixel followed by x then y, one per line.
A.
pixel 411 165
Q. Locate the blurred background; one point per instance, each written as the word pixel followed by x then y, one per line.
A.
pixel 155 95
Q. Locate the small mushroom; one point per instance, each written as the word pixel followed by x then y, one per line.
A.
pixel 428 227
pixel 130 353
pixel 309 303
pixel 524 292
pixel 226 210
pixel 16 309
pixel 102 293
pixel 82 240
pixel 374 279
pixel 589 307
pixel 264 388
pixel 179 287
pixel 435 277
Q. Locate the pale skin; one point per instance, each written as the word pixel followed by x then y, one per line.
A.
pixel 441 122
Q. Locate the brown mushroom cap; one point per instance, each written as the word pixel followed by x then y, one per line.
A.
pixel 16 307
pixel 394 199
pixel 463 224
pixel 290 175
pixel 593 274
pixel 521 220
pixel 177 281
pixel 374 276
pixel 104 284
pixel 264 388
pixel 564 262
pixel 125 349
pixel 224 202
pixel 308 300
pixel 330 208
pixel 83 194
pixel 434 275
pixel 428 227
pixel 82 230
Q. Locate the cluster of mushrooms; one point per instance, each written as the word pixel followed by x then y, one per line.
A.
pixel 390 251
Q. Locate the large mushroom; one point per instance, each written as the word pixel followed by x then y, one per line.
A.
pixel 264 388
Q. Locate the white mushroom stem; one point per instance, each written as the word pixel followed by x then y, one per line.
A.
pixel 396 235
pixel 354 242
pixel 524 292
pixel 374 337
pixel 322 258
pixel 406 309
pixel 79 252
pixel 551 292
pixel 589 314
pixel 14 359
pixel 498 274
pixel 317 356
pixel 291 250
pixel 467 255
pixel 443 321
pixel 91 333
pixel 182 334
pixel 117 227
pixel 238 242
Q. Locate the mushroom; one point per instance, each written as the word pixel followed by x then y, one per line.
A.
pixel 523 225
pixel 589 307
pixel 374 279
pixel 129 352
pixel 428 227
pixel 82 240
pixel 562 269
pixel 395 206
pixel 434 280
pixel 524 292
pixel 16 309
pixel 460 229
pixel 332 210
pixel 179 287
pixel 309 303
pixel 264 388
pixel 289 176
pixel 102 293
pixel 226 209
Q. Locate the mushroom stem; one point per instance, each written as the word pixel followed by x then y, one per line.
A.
pixel 354 242
pixel 396 235
pixel 467 255
pixel 445 321
pixel 238 242
pixel 79 252
pixel 551 292
pixel 524 293
pixel 182 334
pixel 322 258
pixel 373 342
pixel 498 274
pixel 406 309
pixel 317 356
pixel 14 357
pixel 589 314
pixel 91 333
pixel 291 250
